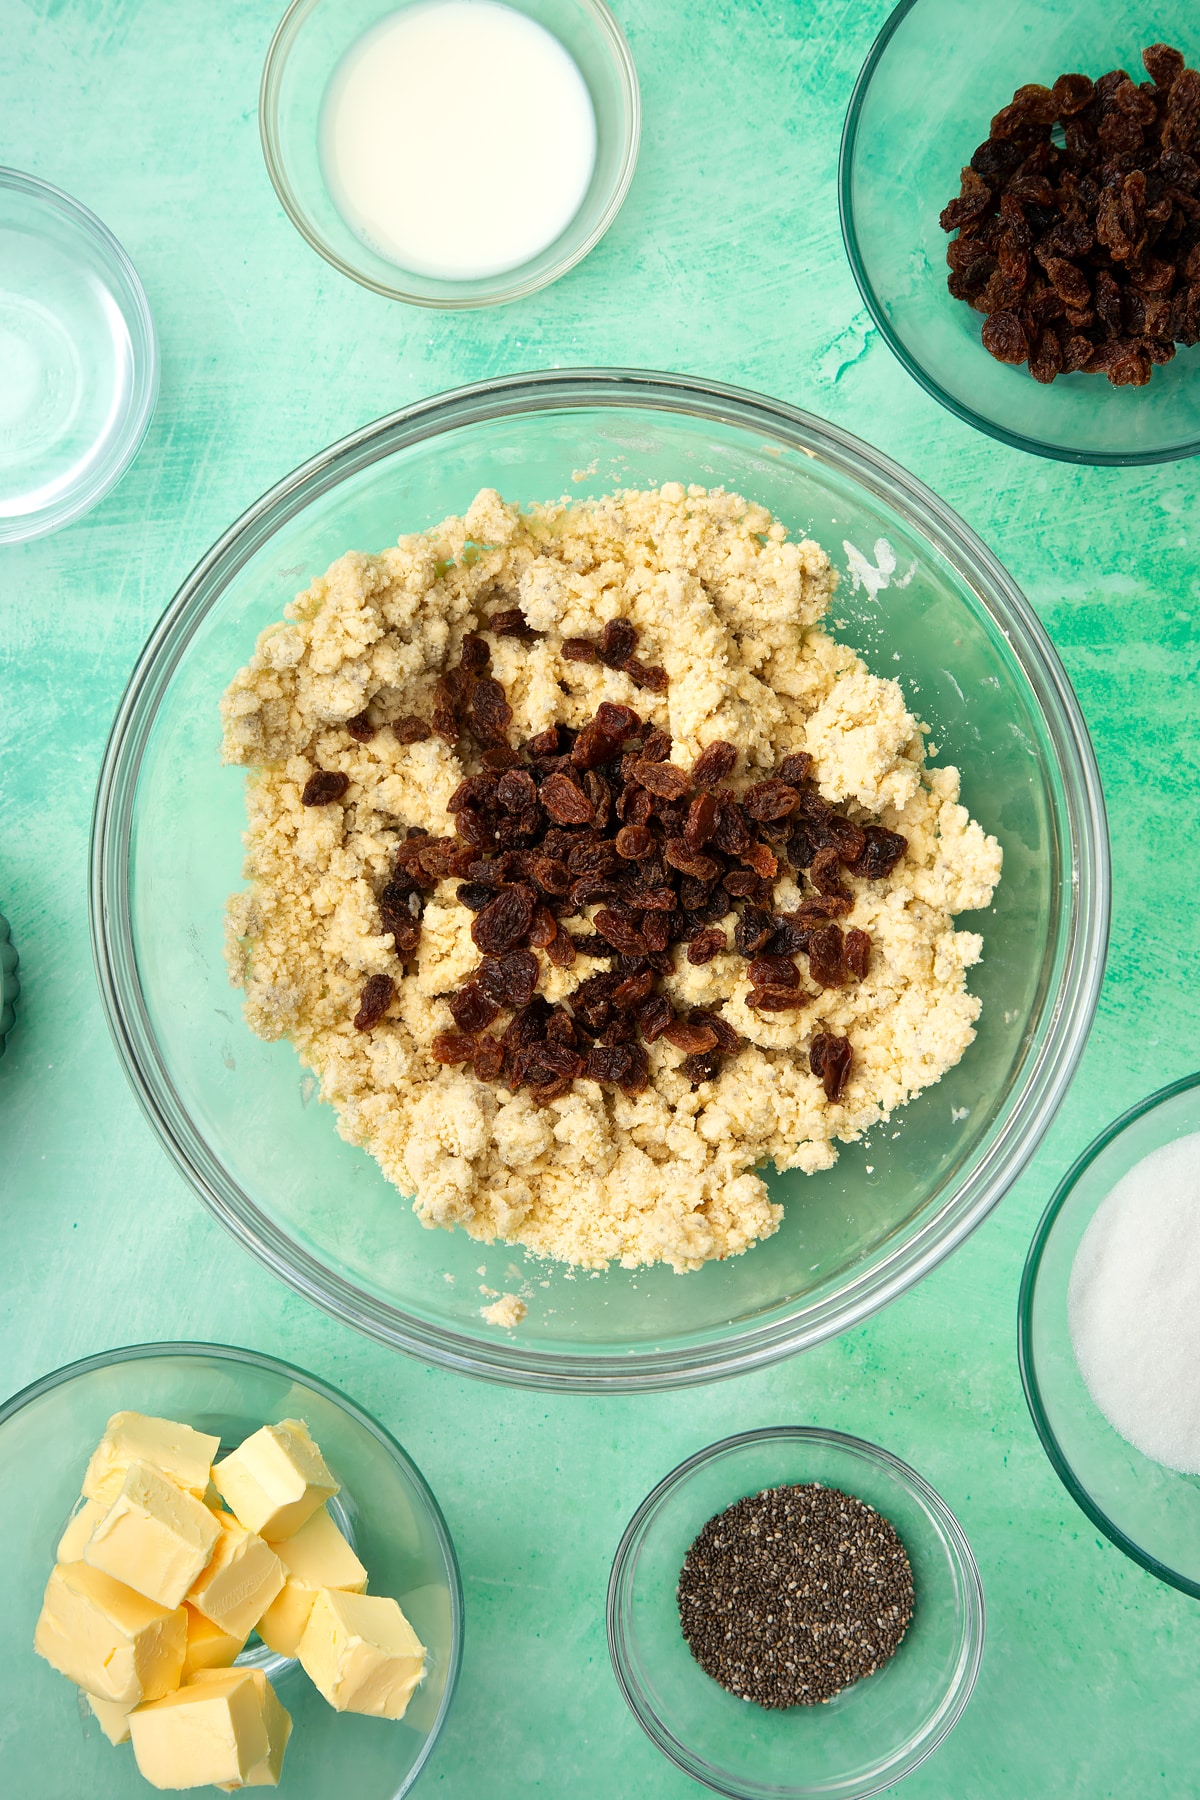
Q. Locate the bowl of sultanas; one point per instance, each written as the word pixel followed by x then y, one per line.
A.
pixel 1020 200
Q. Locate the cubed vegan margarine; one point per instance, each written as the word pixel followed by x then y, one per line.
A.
pixel 275 1480
pixel 242 1578
pixel 177 1450
pixel 112 1642
pixel 155 1537
pixel 208 1732
pixel 317 1556
pixel 362 1653
pixel 156 1590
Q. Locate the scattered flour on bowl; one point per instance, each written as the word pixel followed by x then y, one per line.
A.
pixel 733 612
pixel 1133 1305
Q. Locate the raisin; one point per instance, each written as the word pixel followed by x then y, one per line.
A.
pixel 653 1017
pixel 445 713
pixel 829 1057
pixel 634 988
pixel 505 922
pixel 488 1058
pixel 656 745
pixel 795 768
pixel 552 876
pixel 475 895
pixel 615 721
pixel 732 834
pixel 1046 357
pixel 323 787
pixel 662 778
pixel 653 899
pixel 620 934
pixel 788 938
pixel 561 949
pixel 488 711
pixel 474 653
pixel 882 851
pixel 705 945
pixel 618 640
pixel 773 972
pixel 701 821
pixel 452 1047
pixel 652 678
pixel 705 1066
pixel 741 883
pixel 510 979
pixel 609 1064
pixel 634 842
pixel 752 930
pixel 360 728
pixel 1162 64
pixel 826 956
pixel 411 730
pixel 471 1008
pixel 857 952
pixel 770 800
pixel 565 803
pixel 714 764
pixel 515 790
pixel 777 999
pixel 510 623
pixel 1004 337
pixel 727 1038
pixel 579 650
pixel 376 997
pixel 762 860
pixel 688 862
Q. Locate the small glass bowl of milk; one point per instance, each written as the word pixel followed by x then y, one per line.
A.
pixel 450 152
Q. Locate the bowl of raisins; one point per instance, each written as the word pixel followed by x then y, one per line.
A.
pixel 1020 202
pixel 240 1117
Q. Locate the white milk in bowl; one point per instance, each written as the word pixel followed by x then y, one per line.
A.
pixel 458 138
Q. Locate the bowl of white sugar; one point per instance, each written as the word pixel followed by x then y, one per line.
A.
pixel 450 153
pixel 1109 1333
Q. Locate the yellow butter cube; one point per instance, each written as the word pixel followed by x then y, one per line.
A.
pixel 202 1734
pixel 275 1480
pixel 316 1556
pixel 277 1722
pixel 208 1646
pixel 154 1537
pixel 80 1527
pixel 175 1450
pixel 362 1653
pixel 241 1580
pixel 113 1717
pixel 108 1640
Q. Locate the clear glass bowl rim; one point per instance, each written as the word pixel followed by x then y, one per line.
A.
pixel 143 347
pixel 509 285
pixel 1106 459
pixel 1028 1362
pixel 1068 1016
pixel 619 1580
pixel 275 1365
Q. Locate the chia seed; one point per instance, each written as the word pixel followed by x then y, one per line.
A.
pixel 793 1594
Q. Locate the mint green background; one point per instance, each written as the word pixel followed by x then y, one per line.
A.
pixel 725 262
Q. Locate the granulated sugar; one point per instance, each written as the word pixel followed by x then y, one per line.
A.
pixel 1133 1306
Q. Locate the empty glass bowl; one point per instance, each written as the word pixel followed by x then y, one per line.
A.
pixel 1150 1512
pixel 240 1116
pixel 868 1736
pixel 47 1433
pixel 78 359
pixel 936 74
pixel 312 38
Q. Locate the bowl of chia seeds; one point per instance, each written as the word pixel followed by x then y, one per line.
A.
pixel 794 1612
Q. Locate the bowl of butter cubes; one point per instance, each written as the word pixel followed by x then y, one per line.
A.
pixel 218 1572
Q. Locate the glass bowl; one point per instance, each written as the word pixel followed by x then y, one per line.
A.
pixel 239 1116
pixel 47 1433
pixel 936 73
pixel 868 1736
pixel 1150 1512
pixel 311 40
pixel 78 358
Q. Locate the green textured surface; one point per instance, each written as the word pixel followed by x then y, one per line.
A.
pixel 725 262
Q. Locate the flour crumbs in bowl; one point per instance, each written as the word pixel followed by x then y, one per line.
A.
pixel 588 872
pixel 240 1114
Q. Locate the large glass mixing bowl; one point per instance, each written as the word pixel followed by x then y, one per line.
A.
pixel 240 1117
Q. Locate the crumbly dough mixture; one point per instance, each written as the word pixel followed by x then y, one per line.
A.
pixel 733 611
